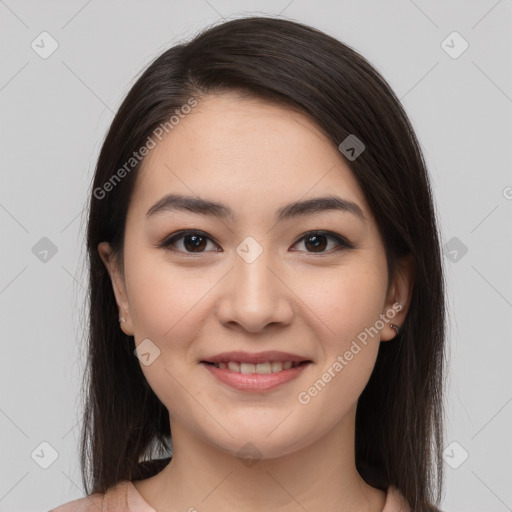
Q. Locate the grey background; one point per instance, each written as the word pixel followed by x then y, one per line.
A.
pixel 54 114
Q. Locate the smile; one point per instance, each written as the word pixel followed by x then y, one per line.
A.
pixel 264 368
pixel 251 377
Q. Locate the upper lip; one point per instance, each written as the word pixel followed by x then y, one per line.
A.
pixel 255 357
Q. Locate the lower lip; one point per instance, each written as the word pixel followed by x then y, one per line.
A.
pixel 255 381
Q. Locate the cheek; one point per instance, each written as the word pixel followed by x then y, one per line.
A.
pixel 350 304
pixel 166 306
pixel 350 301
pixel 164 298
pixel 170 303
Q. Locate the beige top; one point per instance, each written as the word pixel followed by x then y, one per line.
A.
pixel 123 497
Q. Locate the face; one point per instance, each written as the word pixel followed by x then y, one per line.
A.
pixel 306 285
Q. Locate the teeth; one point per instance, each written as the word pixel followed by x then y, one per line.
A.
pixel 260 368
pixel 263 368
pixel 276 366
pixel 234 367
pixel 247 368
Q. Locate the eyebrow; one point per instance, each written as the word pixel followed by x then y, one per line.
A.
pixel 177 202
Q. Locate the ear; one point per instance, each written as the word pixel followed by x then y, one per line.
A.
pixel 119 286
pixel 398 297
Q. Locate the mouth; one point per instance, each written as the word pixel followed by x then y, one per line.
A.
pixel 255 372
pixel 265 368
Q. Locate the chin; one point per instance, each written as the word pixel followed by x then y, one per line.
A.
pixel 262 440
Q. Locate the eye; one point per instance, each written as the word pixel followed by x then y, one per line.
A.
pixel 193 241
pixel 197 241
pixel 316 240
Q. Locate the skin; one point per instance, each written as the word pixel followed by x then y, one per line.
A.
pixel 255 157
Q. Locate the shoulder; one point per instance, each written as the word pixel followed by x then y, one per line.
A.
pixel 92 503
pixel 121 497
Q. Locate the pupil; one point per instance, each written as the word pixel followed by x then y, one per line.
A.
pixel 316 244
pixel 198 242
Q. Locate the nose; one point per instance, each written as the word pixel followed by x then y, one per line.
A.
pixel 254 296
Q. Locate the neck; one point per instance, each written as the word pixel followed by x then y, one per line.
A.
pixel 321 476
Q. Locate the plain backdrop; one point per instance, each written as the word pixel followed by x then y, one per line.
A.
pixel 55 110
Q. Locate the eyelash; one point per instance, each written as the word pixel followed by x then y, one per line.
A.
pixel 169 241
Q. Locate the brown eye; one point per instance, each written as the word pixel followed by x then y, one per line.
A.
pixel 317 241
pixel 192 242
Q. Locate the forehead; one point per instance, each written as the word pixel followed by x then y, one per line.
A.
pixel 248 153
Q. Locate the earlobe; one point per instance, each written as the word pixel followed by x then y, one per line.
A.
pixel 392 324
pixel 398 298
pixel 118 286
pixel 395 327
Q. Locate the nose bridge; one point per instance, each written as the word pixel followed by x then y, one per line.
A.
pixel 252 271
pixel 254 295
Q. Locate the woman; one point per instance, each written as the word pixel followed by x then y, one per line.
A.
pixel 262 225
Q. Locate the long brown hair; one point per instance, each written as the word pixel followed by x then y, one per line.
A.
pixel 399 420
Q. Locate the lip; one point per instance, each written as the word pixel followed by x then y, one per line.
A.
pixel 255 357
pixel 255 381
